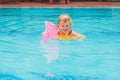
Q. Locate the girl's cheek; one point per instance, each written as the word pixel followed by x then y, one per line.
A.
pixel 67 27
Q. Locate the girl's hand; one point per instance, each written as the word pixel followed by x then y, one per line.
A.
pixel 43 33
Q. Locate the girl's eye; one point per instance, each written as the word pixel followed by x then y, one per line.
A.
pixel 66 25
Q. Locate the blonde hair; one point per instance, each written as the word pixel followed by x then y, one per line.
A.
pixel 65 18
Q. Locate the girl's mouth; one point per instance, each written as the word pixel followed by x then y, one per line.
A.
pixel 65 30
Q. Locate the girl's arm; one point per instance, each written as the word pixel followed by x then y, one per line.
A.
pixel 77 35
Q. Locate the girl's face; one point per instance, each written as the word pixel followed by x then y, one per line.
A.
pixel 64 27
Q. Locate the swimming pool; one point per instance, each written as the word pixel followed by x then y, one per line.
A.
pixel 24 57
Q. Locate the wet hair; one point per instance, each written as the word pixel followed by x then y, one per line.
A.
pixel 65 18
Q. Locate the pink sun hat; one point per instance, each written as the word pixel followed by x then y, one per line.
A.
pixel 50 32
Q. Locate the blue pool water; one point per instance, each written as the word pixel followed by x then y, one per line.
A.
pixel 24 57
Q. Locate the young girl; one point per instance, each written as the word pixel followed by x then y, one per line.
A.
pixel 64 28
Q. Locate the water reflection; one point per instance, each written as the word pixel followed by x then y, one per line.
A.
pixel 52 50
